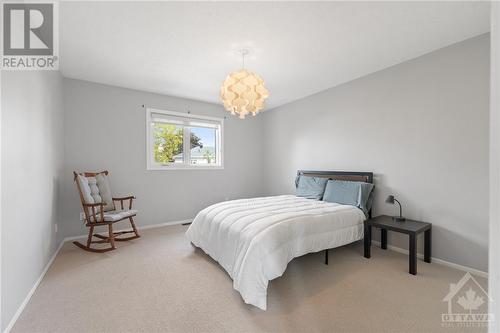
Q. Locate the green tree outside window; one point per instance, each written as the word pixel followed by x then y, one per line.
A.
pixel 168 142
pixel 209 156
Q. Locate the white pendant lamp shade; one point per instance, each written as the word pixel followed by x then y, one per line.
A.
pixel 243 92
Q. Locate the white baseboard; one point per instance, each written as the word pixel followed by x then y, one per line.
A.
pixel 32 291
pixel 437 260
pixel 46 268
pixel 152 226
pixel 159 225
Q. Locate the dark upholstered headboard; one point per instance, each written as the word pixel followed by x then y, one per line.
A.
pixel 366 177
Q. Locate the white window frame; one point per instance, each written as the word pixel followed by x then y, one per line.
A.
pixel 152 165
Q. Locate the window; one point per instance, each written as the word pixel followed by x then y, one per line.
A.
pixel 183 141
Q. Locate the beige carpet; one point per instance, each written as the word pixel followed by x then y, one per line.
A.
pixel 160 283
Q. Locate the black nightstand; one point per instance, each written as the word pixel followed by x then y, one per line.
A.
pixel 410 227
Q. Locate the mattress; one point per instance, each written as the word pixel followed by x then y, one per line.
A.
pixel 254 239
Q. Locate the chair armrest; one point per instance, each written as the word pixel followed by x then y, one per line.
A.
pixel 122 199
pixel 91 213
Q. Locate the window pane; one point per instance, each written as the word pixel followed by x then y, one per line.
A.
pixel 168 143
pixel 203 146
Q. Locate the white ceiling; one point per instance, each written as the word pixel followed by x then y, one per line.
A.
pixel 186 49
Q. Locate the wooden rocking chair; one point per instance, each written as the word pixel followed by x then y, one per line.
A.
pixel 100 210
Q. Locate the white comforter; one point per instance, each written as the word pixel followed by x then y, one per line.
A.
pixel 254 239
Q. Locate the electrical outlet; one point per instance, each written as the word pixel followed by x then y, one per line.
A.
pixel 82 216
pixel 55 228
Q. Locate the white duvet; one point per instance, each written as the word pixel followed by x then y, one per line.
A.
pixel 254 239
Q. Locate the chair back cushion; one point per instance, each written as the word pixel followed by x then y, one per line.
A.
pixel 96 190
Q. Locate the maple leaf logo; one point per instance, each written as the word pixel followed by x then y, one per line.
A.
pixel 470 301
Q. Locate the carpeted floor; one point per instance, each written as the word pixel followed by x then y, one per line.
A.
pixel 161 283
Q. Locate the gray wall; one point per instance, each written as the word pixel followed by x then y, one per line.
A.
pixel 106 131
pixel 421 127
pixel 494 248
pixel 32 160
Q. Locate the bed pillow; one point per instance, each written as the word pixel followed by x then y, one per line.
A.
pixel 311 187
pixel 357 194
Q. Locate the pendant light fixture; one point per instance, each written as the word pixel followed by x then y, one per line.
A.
pixel 243 92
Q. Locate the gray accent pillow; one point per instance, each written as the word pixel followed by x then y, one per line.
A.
pixel 350 193
pixel 311 187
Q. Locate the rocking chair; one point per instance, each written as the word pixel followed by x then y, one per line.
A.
pixel 100 210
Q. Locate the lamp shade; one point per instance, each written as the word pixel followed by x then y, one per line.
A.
pixel 243 92
pixel 390 199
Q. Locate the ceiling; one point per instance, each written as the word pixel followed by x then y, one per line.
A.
pixel 186 49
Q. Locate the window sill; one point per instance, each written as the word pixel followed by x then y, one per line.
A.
pixel 185 168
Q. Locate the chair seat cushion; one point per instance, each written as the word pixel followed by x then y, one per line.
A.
pixel 117 215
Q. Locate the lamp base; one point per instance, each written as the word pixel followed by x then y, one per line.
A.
pixel 399 219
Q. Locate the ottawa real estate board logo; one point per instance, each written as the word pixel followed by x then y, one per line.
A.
pixel 467 305
pixel 30 36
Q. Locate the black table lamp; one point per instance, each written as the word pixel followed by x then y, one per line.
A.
pixel 390 199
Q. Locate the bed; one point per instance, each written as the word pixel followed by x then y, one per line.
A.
pixel 255 239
